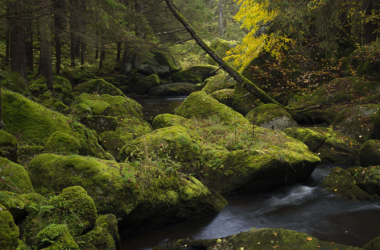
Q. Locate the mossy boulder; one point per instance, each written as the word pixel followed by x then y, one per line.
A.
pixel 60 85
pixel 172 89
pixel 370 153
pixel 202 106
pixel 168 120
pixel 243 104
pixel 271 116
pixel 195 74
pixel 162 64
pixel 311 138
pixel 221 47
pixel 131 128
pixel 62 143
pixel 9 232
pixel 218 82
pixel 266 238
pixel 100 123
pixel 35 123
pixel 104 235
pixel 147 83
pixel 99 87
pixel 367 179
pixel 342 183
pixel 16 83
pixel 373 244
pixel 112 142
pixel 27 153
pixel 8 146
pixel 55 237
pixel 143 196
pixel 224 96
pixel 14 177
pixel 57 105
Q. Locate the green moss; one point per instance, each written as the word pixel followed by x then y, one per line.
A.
pixel 162 64
pixel 27 153
pixel 60 85
pixel 62 143
pixel 370 153
pixel 22 246
pixel 172 89
pixel 246 104
pixel 367 179
pixel 100 123
pixel 311 138
pixel 195 74
pixel 365 61
pixel 57 105
pixel 147 83
pixel 271 116
pixel 342 183
pixel 16 83
pixel 14 177
pixel 112 142
pixel 224 96
pixel 218 82
pixel 8 146
pixel 54 237
pixel 168 120
pixel 131 128
pixel 9 232
pixel 98 87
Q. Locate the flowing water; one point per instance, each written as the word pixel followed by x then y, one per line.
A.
pixel 305 208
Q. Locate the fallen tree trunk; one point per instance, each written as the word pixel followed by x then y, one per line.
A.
pixel 248 85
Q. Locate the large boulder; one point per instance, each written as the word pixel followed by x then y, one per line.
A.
pixel 34 123
pixel 16 83
pixel 195 74
pixel 100 123
pixel 370 153
pixel 162 64
pixel 9 232
pixel 172 89
pixel 147 83
pixel 55 236
pixel 218 82
pixel 142 195
pixel 271 116
pixel 242 103
pixel 98 87
pixel 14 177
pixel 224 96
pixel 62 143
pixel 8 146
pixel 311 138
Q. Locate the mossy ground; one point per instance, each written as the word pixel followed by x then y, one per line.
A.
pixel 99 87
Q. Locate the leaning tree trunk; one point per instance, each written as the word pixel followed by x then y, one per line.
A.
pixel 45 67
pixel 248 85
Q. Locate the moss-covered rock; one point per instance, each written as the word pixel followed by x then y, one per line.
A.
pixel 311 138
pixel 9 232
pixel 373 244
pixel 99 87
pixel 172 89
pixel 224 96
pixel 60 85
pixel 55 237
pixel 162 64
pixel 246 104
pixel 8 146
pixel 100 123
pixel 370 153
pixel 131 128
pixel 218 82
pixel 147 83
pixel 271 116
pixel 35 123
pixel 112 142
pixel 201 105
pixel 27 153
pixel 104 235
pixel 267 238
pixel 220 46
pixel 14 177
pixel 367 179
pixel 57 105
pixel 342 183
pixel 142 196
pixel 168 120
pixel 61 143
pixel 16 83
pixel 195 74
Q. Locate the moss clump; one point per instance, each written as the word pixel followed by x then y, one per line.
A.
pixel 98 87
pixel 104 235
pixel 271 116
pixel 14 177
pixel 370 153
pixel 311 138
pixel 8 146
pixel 267 238
pixel 55 237
pixel 9 232
pixel 62 143
pixel 224 96
pixel 367 179
pixel 195 74
pixel 147 83
pixel 200 105
pixel 16 83
pixel 60 85
pixel 168 120
pixel 112 142
pixel 172 89
pixel 27 153
pixel 342 183
pixel 131 128
pixel 218 82
pixel 57 105
pixel 246 104
pixel 162 64
pixel 100 123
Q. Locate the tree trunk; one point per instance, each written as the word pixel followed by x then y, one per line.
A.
pixel 368 29
pixel 102 58
pixel 118 52
pixel 17 38
pixel 45 67
pixel 29 46
pixel 1 107
pixel 58 24
pixel 248 85
pixel 82 53
pixel 7 37
pixel 221 22
pixel 73 40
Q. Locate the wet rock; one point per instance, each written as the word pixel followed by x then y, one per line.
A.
pixel 100 123
pixel 147 83
pixel 172 89
pixel 370 153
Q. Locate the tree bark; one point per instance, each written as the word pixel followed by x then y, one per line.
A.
pixel 45 67
pixel 29 45
pixel 59 7
pixel 7 37
pixel 248 85
pixel 73 40
pixel 221 22
pixel 118 52
pixel 368 24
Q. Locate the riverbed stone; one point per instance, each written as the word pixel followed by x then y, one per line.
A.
pixel 224 96
pixel 311 138
pixel 147 83
pixel 218 82
pixel 271 116
pixel 370 153
pixel 8 146
pixel 195 74
pixel 173 89
pixel 98 87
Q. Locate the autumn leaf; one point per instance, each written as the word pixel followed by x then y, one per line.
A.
pixel 309 239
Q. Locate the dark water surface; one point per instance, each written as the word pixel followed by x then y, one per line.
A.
pixel 155 105
pixel 305 208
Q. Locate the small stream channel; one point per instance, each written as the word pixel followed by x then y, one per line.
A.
pixel 304 207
